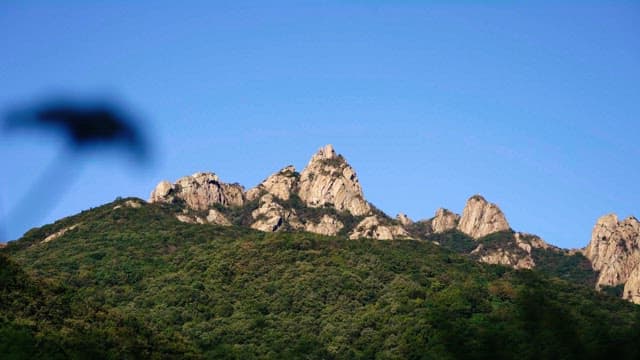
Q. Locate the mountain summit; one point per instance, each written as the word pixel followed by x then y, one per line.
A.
pixel 329 180
pixel 325 198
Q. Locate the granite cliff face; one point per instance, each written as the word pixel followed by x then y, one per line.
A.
pixel 374 227
pixel 281 184
pixel 329 180
pixel 614 251
pixel 271 216
pixel 328 183
pixel 199 191
pixel 444 220
pixel 403 219
pixel 328 225
pixel 481 218
pixel 516 253
pixel 631 290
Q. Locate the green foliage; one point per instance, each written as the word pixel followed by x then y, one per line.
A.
pixel 311 214
pixel 334 162
pixel 501 240
pixel 239 215
pixel 575 268
pixel 455 241
pixel 140 284
pixel 615 291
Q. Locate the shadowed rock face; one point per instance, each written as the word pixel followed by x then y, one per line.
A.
pixel 481 218
pixel 614 252
pixel 328 179
pixel 199 191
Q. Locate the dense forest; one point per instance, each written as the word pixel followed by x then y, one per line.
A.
pixel 133 282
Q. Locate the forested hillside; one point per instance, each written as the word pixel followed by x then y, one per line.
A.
pixel 134 282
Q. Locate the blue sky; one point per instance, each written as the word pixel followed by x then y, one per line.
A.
pixel 534 105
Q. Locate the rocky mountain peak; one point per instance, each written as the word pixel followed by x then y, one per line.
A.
pixel 281 184
pixel 481 218
pixel 614 251
pixel 444 220
pixel 326 152
pixel 403 219
pixel 329 180
pixel 609 221
pixel 199 191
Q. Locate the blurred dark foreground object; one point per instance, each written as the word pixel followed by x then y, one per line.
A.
pixel 95 126
pixel 83 125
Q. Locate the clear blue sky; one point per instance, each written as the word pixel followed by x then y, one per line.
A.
pixel 535 105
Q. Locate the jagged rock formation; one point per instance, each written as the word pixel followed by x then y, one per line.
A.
pixel 281 184
pixel 614 251
pixel 631 290
pixel 329 180
pixel 328 225
pixel 374 227
pixel 504 257
pixel 528 242
pixel 329 184
pixel 216 217
pixel 444 220
pixel 516 254
pixel 481 218
pixel 403 219
pixel 271 216
pixel 199 191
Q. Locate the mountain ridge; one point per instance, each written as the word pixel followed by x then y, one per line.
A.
pixel 142 283
pixel 326 198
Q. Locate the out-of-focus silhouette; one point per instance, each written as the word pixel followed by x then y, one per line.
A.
pixel 82 125
pixel 97 126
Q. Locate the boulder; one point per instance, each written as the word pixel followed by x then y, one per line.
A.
pixel 328 225
pixel 374 227
pixel 404 219
pixel 216 217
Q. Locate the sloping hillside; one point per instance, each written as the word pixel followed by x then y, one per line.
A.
pixel 138 281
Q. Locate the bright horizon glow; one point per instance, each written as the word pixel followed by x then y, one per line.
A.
pixel 535 105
